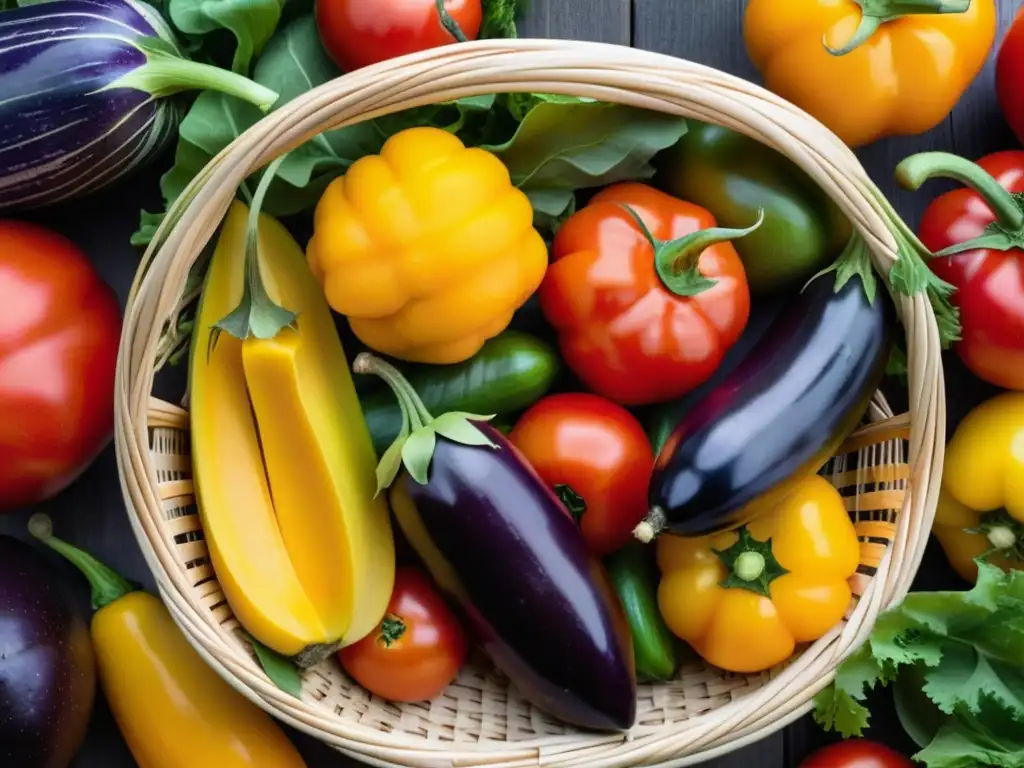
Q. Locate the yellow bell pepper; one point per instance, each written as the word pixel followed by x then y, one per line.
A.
pixel 426 248
pixel 744 599
pixel 868 69
pixel 172 708
pixel 981 506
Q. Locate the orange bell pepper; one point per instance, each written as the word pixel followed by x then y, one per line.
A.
pixel 868 69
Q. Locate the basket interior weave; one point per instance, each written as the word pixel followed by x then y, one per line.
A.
pixel 481 706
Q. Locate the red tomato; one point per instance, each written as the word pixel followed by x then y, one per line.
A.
pixel 417 650
pixel 599 450
pixel 1009 71
pixel 856 753
pixel 60 326
pixel 357 33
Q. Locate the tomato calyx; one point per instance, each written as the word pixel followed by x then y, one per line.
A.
pixel 676 261
pixel 392 628
pixel 572 501
pixel 1005 233
pixel 751 564
pixel 875 13
pixel 451 25
pixel 1004 533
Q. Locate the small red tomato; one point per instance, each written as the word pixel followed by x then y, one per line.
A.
pixel 591 448
pixel 417 650
pixel 357 33
pixel 856 753
pixel 60 326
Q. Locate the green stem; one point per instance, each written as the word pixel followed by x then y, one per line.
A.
pixel 677 261
pixel 107 586
pixel 572 501
pixel 413 409
pixel 391 630
pixel 166 72
pixel 915 170
pixel 751 564
pixel 875 13
pixel 450 24
pixel 256 314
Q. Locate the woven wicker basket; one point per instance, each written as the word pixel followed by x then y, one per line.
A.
pixel 888 471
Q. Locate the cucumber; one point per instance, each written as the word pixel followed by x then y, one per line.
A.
pixel 510 373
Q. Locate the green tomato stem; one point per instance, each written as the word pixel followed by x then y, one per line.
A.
pixel 107 586
pixel 677 261
pixel 875 13
pixel 450 24
pixel 915 170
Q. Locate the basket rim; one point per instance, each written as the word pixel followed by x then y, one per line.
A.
pixel 609 72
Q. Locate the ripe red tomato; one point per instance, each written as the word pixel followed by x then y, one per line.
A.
pixel 417 650
pixel 857 753
pixel 357 33
pixel 60 326
pixel 599 450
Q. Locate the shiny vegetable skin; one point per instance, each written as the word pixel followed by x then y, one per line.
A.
pixel 734 177
pixel 870 69
pixel 60 326
pixel 171 707
pixel 981 505
pixel 778 416
pixel 503 549
pixel 511 372
pixel 976 233
pixel 744 599
pixel 857 753
pixel 635 577
pixel 1009 73
pixel 47 671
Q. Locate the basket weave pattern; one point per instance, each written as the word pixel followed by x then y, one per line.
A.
pixel 888 471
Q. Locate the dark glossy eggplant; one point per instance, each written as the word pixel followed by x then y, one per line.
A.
pixel 84 95
pixel 778 416
pixel 47 669
pixel 506 553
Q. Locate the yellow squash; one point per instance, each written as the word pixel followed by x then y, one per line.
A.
pixel 283 463
pixel 172 708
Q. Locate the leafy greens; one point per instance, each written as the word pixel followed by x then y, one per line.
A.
pixel 963 652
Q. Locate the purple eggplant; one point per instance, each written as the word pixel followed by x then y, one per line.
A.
pixel 87 96
pixel 47 669
pixel 507 554
pixel 779 415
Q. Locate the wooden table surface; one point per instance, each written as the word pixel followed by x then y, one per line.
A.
pixel 92 514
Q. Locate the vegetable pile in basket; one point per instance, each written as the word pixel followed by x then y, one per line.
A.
pixel 527 375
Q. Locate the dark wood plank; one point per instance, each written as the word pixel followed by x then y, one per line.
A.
pixel 605 21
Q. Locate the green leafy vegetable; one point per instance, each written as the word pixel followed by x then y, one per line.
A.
pixel 564 144
pixel 500 18
pixel 967 649
pixel 252 22
pixel 282 673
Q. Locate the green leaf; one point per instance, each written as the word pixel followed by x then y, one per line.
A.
pixel 836 710
pixel 282 673
pixel 854 261
pixel 500 18
pixel 149 223
pixel 565 144
pixel 910 275
pixel 897 364
pixel 968 650
pixel 390 464
pixel 456 426
pixel 252 22
pixel 417 453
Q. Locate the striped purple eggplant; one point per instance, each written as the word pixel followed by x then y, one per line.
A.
pixel 86 96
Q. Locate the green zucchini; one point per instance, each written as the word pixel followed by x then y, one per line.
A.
pixel 510 373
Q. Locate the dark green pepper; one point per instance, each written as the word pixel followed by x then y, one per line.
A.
pixel 511 372
pixel 634 575
pixel 734 176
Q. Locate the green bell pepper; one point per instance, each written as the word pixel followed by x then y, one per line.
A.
pixel 733 176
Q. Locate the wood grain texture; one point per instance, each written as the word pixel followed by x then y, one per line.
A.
pixel 91 513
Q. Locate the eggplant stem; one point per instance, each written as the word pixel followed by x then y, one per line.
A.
pixel 408 399
pixel 107 585
pixel 652 525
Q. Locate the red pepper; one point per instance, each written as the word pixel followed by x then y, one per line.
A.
pixel 977 236
pixel 1010 74
pixel 646 294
